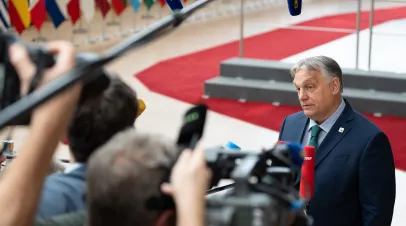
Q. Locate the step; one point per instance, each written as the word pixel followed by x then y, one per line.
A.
pixel 366 101
pixel 268 70
pixel 246 68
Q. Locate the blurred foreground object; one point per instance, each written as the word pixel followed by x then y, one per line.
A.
pixel 141 107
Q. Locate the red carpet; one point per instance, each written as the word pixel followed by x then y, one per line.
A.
pixel 182 78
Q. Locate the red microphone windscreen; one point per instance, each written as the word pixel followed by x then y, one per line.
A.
pixel 64 140
pixel 307 176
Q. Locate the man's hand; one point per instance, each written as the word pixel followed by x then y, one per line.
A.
pixel 190 176
pixel 62 103
pixel 25 68
pixel 190 179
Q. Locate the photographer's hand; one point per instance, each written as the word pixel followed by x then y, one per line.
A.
pixel 190 179
pixel 21 184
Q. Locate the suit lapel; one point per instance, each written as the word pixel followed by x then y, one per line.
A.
pixel 298 134
pixel 340 128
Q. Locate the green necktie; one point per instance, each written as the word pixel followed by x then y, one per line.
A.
pixel 314 137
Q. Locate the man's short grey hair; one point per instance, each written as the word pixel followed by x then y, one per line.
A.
pixel 125 173
pixel 325 65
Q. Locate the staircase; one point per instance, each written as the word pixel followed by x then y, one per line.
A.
pixel 375 92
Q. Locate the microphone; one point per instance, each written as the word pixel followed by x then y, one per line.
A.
pixel 307 177
pixel 295 7
pixel 141 107
pixel 288 154
pixel 193 126
pixel 175 4
pixel 231 146
pixel 296 152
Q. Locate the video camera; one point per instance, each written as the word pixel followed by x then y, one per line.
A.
pixel 10 91
pixel 263 192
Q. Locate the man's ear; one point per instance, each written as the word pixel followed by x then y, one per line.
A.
pixel 335 82
pixel 166 218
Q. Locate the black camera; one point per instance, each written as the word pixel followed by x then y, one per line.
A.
pixel 263 192
pixel 10 82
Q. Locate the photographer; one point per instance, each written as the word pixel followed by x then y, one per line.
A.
pixel 125 178
pixel 127 184
pixel 95 121
pixel 21 184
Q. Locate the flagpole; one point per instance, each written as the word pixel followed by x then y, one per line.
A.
pixel 80 29
pixel 160 12
pixel 72 39
pixel 135 23
pixel 113 22
pixel 56 33
pixel 89 40
pixel 40 38
pixel 103 36
pixel 120 28
pixel 147 17
pixel 89 17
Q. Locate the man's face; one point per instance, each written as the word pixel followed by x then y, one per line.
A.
pixel 316 93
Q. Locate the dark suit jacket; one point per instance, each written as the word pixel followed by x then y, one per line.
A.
pixel 63 193
pixel 354 171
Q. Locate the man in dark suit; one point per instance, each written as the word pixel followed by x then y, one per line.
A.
pixel 96 120
pixel 354 167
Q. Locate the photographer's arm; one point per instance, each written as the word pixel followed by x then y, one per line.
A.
pixel 21 185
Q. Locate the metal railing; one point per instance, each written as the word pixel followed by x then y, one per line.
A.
pixel 356 31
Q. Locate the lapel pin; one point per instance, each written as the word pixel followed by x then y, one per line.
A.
pixel 341 130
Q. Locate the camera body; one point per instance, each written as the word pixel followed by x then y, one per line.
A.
pixel 255 209
pixel 10 83
pixel 263 193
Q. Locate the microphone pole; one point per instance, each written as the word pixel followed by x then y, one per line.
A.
pixel 85 71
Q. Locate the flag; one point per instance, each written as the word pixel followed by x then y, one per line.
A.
pixel 73 8
pixel 63 6
pixel 136 5
pixel 118 6
pixel 104 6
pixel 175 4
pixel 88 9
pixel 38 13
pixel 19 13
pixel 149 3
pixel 4 17
pixel 162 3
pixel 55 11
